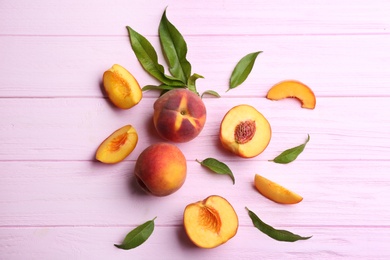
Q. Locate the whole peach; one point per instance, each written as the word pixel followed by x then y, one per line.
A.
pixel 179 115
pixel 161 169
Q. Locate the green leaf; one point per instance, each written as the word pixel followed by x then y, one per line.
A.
pixel 175 49
pixel 217 167
pixel 191 83
pixel 242 69
pixel 291 154
pixel 277 234
pixel 147 56
pixel 160 87
pixel 137 236
pixel 212 93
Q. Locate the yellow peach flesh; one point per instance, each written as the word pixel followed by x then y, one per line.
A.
pixel 122 88
pixel 275 192
pixel 211 222
pixel 245 131
pixel 294 89
pixel 118 145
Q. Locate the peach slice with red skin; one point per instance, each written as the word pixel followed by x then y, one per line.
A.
pixel 179 115
pixel 245 131
pixel 210 222
pixel 118 145
pixel 121 87
pixel 276 192
pixel 294 89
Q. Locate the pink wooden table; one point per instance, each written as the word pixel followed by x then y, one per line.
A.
pixel 56 202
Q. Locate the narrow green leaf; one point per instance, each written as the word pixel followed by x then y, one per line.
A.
pixel 160 87
pixel 277 234
pixel 147 56
pixel 175 49
pixel 191 83
pixel 242 69
pixel 217 167
pixel 211 92
pixel 291 154
pixel 137 236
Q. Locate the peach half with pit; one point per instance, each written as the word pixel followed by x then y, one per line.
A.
pixel 118 145
pixel 179 115
pixel 211 222
pixel 161 169
pixel 275 191
pixel 294 89
pixel 121 87
pixel 244 131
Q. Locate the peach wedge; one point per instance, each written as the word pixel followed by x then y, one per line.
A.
pixel 118 145
pixel 211 222
pixel 244 131
pixel 275 192
pixel 121 87
pixel 295 89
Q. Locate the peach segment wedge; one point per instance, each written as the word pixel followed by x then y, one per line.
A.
pixel 295 89
pixel 211 222
pixel 118 145
pixel 244 131
pixel 275 192
pixel 122 88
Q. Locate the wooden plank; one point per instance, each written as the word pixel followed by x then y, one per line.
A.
pixel 349 193
pixel 81 242
pixel 72 129
pixel 199 17
pixel 73 66
pixel 56 202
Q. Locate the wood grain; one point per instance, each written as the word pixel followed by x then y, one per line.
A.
pixel 57 202
pixel 205 17
pixel 89 194
pixel 81 242
pixel 73 66
pixel 75 127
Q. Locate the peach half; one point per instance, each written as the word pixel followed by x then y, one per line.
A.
pixel 161 169
pixel 245 131
pixel 179 115
pixel 295 89
pixel 211 222
pixel 118 145
pixel 121 87
pixel 275 192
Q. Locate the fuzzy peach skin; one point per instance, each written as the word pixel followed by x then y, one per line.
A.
pixel 179 115
pixel 161 169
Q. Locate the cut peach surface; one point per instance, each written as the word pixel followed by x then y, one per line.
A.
pixel 295 89
pixel 245 131
pixel 211 222
pixel 275 192
pixel 118 145
pixel 122 88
